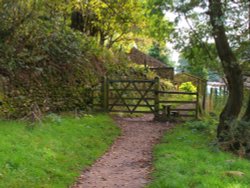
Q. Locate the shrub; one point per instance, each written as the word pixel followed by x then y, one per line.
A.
pixel 188 87
pixel 238 138
pixel 166 84
pixel 206 124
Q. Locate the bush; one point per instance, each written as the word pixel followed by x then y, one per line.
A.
pixel 237 139
pixel 206 124
pixel 188 87
pixel 166 84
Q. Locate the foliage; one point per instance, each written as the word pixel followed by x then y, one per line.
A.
pixel 225 21
pixel 243 55
pixel 188 152
pixel 199 60
pixel 123 22
pixel 166 85
pixel 200 125
pixel 219 101
pixel 119 23
pixel 188 87
pixel 124 17
pixel 193 32
pixel 53 67
pixel 54 153
pixel 158 27
pixel 238 138
pixel 45 63
pixel 33 44
pixel 161 54
pixel 48 65
pixel 194 14
pixel 196 70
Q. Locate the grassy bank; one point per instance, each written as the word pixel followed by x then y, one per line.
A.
pixel 51 154
pixel 188 157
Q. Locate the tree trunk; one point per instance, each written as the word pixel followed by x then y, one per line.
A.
pixel 246 116
pixel 77 21
pixel 231 70
pixel 102 38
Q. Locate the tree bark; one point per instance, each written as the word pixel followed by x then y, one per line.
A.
pixel 231 70
pixel 102 38
pixel 77 21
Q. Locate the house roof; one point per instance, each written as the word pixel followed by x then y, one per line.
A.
pixel 141 58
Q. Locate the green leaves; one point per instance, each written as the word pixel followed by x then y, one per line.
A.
pixel 160 53
pixel 199 58
pixel 188 87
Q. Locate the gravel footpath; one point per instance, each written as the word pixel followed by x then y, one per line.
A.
pixel 128 163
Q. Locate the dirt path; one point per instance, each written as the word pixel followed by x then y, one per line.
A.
pixel 128 163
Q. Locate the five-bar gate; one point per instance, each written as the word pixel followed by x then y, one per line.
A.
pixel 130 96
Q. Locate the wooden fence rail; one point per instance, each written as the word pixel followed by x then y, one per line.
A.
pixel 183 105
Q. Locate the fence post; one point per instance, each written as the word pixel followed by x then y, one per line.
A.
pixel 220 91
pixel 216 92
pixel 105 94
pixel 224 90
pixel 211 98
pixel 157 88
pixel 204 96
pixel 197 100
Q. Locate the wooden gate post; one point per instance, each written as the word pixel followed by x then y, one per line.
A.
pixel 204 96
pixel 211 99
pixel 197 100
pixel 105 94
pixel 224 90
pixel 157 88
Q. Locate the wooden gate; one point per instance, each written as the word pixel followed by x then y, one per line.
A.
pixel 130 96
pixel 144 96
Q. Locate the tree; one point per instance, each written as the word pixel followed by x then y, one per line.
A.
pixel 159 53
pixel 158 27
pixel 118 21
pixel 231 69
pixel 185 65
pixel 226 22
pixel 200 59
pixel 107 20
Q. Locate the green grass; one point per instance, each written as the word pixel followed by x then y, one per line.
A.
pixel 189 158
pixel 52 154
